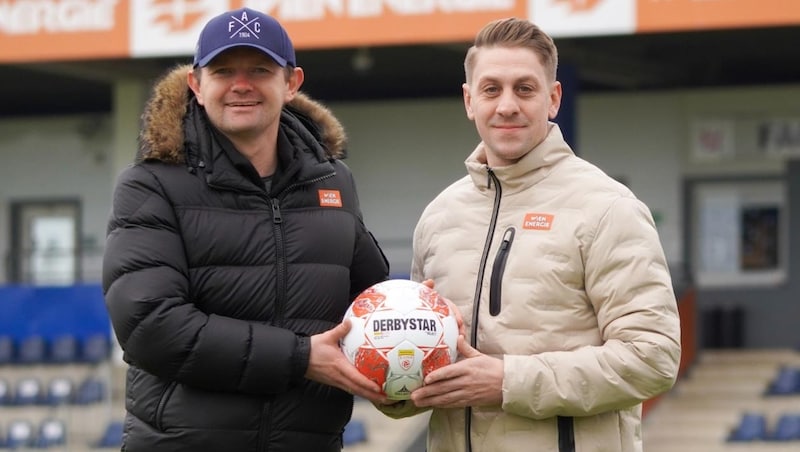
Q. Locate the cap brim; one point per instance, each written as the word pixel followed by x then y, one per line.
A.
pixel 211 55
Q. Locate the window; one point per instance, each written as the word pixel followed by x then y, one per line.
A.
pixel 45 242
pixel 739 233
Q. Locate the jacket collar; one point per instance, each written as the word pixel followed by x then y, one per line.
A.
pixel 529 170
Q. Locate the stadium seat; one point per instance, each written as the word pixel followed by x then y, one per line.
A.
pixel 91 390
pixel 752 427
pixel 786 382
pixel 60 391
pixel 6 350
pixel 28 391
pixel 5 392
pixel 32 350
pixel 63 350
pixel 95 349
pixel 20 434
pixel 112 436
pixel 787 428
pixel 52 432
pixel 354 432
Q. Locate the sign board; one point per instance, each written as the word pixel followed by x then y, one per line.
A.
pixel 52 30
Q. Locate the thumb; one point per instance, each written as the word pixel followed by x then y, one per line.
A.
pixel 466 350
pixel 341 330
pixel 429 283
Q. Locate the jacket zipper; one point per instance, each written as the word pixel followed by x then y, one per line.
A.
pixel 499 267
pixel 566 434
pixel 280 263
pixel 280 249
pixel 478 285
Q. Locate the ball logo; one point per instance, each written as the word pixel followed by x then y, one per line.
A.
pixel 406 358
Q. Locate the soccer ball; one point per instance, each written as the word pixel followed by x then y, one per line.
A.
pixel 401 331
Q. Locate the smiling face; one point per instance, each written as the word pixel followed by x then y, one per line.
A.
pixel 510 97
pixel 243 91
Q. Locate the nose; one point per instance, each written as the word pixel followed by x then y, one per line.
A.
pixel 507 104
pixel 241 81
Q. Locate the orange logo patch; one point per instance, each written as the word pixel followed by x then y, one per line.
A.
pixel 330 198
pixel 538 221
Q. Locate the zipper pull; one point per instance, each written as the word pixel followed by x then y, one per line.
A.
pixel 276 212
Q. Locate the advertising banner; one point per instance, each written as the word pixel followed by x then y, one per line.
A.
pixel 678 15
pixel 53 30
pixel 37 30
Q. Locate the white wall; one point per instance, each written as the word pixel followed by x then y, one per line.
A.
pixel 402 154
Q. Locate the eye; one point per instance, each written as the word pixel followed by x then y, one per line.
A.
pixel 261 70
pixel 526 89
pixel 491 90
pixel 221 71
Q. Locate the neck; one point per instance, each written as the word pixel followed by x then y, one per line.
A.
pixel 261 151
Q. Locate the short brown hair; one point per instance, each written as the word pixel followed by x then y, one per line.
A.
pixel 514 32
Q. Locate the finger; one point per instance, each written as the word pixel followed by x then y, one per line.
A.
pixel 466 350
pixel 429 283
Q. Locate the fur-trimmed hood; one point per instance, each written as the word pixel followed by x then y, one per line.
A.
pixel 162 136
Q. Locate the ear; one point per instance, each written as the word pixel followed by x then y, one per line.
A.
pixel 555 100
pixel 468 102
pixel 194 85
pixel 294 83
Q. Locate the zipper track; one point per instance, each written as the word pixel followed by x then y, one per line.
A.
pixel 478 285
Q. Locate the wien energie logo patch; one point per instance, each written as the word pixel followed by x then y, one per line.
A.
pixel 538 221
pixel 330 198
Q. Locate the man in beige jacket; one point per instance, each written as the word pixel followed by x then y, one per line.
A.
pixel 557 270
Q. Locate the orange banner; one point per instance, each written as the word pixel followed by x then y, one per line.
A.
pixel 51 30
pixel 382 22
pixel 677 15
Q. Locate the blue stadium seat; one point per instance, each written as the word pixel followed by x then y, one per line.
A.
pixel 60 391
pixel 5 393
pixel 63 349
pixel 28 391
pixel 91 390
pixel 6 350
pixel 112 436
pixel 787 428
pixel 95 349
pixel 52 432
pixel 354 432
pixel 786 382
pixel 32 350
pixel 20 434
pixel 752 427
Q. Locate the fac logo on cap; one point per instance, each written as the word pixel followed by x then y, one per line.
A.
pixel 244 27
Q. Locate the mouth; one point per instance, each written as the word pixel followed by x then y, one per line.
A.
pixel 242 104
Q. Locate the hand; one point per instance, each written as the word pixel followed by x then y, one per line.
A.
pixel 475 380
pixel 328 365
pixel 453 308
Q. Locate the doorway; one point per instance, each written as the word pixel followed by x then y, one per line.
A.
pixel 45 242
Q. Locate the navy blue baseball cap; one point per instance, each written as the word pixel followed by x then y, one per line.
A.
pixel 244 27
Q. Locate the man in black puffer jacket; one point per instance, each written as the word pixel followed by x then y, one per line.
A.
pixel 235 245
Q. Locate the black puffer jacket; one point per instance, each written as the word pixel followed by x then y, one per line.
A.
pixel 213 285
